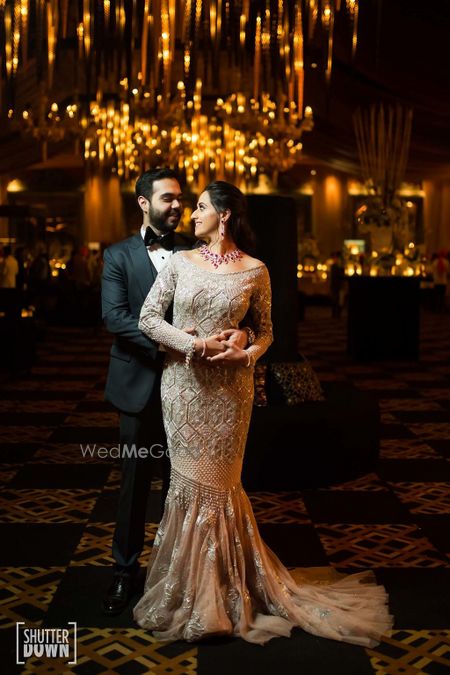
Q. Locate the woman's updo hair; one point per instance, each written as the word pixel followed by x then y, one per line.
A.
pixel 226 196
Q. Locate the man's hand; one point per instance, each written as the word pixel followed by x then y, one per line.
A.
pixel 233 355
pixel 234 336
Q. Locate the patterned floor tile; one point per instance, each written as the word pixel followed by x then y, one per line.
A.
pixel 51 357
pixel 408 404
pixel 56 522
pixel 114 480
pixel 436 393
pixel 27 593
pixel 358 370
pixel 50 385
pixel 95 395
pixel 370 482
pixel 93 419
pixel 381 384
pixel 370 546
pixel 43 506
pixel 7 472
pixel 412 652
pixel 388 418
pixel 406 449
pixel 331 377
pixel 76 369
pixel 95 545
pixel 431 430
pixel 121 651
pixel 432 498
pixel 417 376
pixel 26 407
pixel 281 507
pixel 24 434
pixel 63 453
pixel 71 360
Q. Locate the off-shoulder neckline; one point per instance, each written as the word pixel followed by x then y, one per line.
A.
pixel 220 274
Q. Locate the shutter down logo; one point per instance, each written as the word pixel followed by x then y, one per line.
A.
pixel 55 643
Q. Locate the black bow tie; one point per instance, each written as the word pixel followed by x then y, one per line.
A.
pixel 165 240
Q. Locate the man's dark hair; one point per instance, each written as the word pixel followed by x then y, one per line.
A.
pixel 7 251
pixel 144 184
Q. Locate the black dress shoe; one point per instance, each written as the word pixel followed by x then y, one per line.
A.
pixel 119 593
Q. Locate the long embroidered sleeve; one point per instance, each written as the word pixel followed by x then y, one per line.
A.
pixel 260 308
pixel 151 320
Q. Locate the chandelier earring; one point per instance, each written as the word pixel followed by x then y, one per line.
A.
pixel 222 229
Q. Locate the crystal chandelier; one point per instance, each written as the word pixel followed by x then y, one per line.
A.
pixel 214 87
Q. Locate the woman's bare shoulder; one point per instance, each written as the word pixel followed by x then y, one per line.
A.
pixel 251 262
pixel 187 253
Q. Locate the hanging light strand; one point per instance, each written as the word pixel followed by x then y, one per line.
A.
pixel 143 47
pixel 257 63
pixel 352 8
pixel 298 57
pixel 52 23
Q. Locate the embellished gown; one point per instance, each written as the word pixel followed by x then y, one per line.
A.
pixel 210 573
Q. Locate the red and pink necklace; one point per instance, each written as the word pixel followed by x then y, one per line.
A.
pixel 217 259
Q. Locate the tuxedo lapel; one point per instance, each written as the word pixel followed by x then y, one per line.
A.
pixel 143 266
pixel 145 270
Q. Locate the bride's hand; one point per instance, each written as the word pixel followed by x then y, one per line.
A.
pixel 211 346
pixel 236 336
pixel 232 355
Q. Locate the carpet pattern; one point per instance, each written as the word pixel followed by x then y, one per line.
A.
pixel 57 510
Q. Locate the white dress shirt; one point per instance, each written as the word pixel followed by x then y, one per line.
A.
pixel 157 253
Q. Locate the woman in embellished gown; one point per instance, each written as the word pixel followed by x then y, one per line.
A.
pixel 210 573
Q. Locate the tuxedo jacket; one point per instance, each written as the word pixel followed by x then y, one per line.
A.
pixel 128 275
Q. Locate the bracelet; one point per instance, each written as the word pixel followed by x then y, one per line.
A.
pixel 249 359
pixel 190 354
pixel 250 335
pixel 204 348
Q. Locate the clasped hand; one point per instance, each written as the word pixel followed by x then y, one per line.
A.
pixel 228 346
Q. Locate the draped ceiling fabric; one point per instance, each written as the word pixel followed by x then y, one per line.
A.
pixel 403 55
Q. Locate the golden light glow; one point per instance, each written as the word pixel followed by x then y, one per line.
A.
pixel 8 41
pixel 257 64
pixel 169 38
pixel 86 27
pixel 298 57
pixel 15 185
pixel 24 28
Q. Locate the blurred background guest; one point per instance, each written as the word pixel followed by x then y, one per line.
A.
pixel 9 269
pixel 440 269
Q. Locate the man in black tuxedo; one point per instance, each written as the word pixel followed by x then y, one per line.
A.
pixel 133 383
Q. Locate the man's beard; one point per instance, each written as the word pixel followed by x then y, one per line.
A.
pixel 159 220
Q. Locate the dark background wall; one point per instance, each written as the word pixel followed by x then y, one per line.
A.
pixel 274 221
